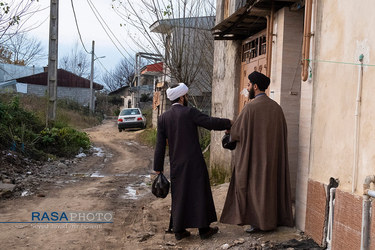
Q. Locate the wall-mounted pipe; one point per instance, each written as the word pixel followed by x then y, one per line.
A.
pixel 356 126
pixel 270 20
pixel 332 193
pixel 367 192
pixel 306 40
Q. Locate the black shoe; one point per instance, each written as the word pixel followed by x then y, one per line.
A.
pixel 211 231
pixel 181 235
pixel 252 230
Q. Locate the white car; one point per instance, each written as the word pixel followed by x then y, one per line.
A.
pixel 131 118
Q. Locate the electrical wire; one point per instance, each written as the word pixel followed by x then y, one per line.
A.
pixel 79 33
pixel 336 62
pixel 92 4
pixel 92 8
pixel 97 58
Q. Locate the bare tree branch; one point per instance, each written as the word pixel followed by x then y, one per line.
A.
pixel 183 39
pixel 121 76
pixel 25 50
pixel 77 62
pixel 14 15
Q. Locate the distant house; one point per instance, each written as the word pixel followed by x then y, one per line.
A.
pixel 149 77
pixel 69 86
pixel 145 85
pixel 125 94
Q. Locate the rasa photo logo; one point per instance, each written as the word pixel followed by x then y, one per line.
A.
pixel 99 217
pixel 72 217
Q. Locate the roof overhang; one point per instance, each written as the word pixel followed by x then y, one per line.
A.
pixel 249 19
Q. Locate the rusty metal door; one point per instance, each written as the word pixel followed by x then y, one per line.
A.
pixel 253 59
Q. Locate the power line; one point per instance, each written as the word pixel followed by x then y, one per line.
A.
pixel 109 27
pixel 92 8
pixel 97 58
pixel 79 33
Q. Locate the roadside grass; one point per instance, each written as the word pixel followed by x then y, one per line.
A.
pixel 68 113
pixel 218 175
pixel 148 137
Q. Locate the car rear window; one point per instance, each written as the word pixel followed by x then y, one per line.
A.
pixel 130 112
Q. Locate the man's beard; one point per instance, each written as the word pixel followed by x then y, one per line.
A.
pixel 251 93
pixel 185 102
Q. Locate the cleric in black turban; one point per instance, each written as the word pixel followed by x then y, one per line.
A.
pixel 259 79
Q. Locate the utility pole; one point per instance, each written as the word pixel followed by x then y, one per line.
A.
pixel 52 61
pixel 91 103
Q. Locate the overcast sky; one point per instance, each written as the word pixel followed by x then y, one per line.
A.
pixel 90 29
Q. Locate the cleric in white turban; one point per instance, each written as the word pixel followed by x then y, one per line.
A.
pixel 177 91
pixel 192 202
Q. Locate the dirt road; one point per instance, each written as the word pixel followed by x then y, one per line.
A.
pixel 117 178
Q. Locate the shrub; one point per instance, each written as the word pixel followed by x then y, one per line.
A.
pixel 23 131
pixel 145 98
pixel 18 127
pixel 63 142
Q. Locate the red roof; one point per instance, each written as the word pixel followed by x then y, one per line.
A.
pixel 157 67
pixel 64 79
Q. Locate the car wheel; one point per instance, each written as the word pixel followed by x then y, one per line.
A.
pixel 120 130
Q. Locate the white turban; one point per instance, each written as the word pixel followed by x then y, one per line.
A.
pixel 176 92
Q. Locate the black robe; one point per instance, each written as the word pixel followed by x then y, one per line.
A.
pixel 192 202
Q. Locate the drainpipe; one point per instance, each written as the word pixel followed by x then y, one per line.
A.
pixel 332 193
pixel 269 40
pixel 356 126
pixel 306 40
pixel 367 193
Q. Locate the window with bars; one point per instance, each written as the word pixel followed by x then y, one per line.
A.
pixel 254 48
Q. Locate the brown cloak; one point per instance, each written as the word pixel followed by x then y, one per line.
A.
pixel 259 190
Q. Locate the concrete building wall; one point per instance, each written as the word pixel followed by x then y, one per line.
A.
pixel 338 41
pixel 225 85
pixel 226 80
pixel 80 95
pixel 286 78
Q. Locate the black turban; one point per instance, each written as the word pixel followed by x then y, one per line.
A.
pixel 259 79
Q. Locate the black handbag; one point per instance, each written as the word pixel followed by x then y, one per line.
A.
pixel 160 186
pixel 227 143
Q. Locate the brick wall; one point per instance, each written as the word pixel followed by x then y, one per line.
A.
pixel 347 221
pixel 347 224
pixel 315 212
